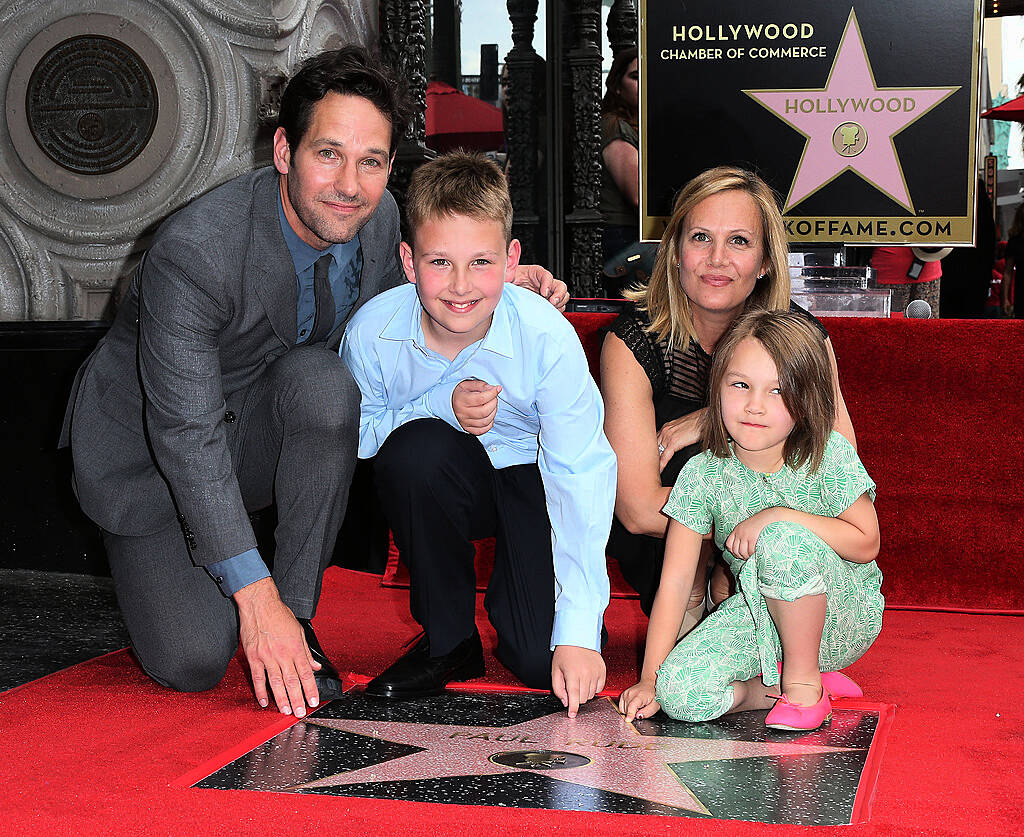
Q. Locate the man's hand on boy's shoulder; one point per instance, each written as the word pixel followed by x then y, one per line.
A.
pixel 475 403
pixel 577 674
pixel 541 281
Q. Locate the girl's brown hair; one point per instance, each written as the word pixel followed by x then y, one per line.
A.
pixel 805 380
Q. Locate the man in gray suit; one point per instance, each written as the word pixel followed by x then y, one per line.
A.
pixel 218 391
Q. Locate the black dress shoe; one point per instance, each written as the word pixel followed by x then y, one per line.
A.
pixel 328 681
pixel 417 674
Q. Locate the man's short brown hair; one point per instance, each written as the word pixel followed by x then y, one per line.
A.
pixel 459 183
pixel 349 71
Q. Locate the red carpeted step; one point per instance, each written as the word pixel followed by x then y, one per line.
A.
pixel 396 574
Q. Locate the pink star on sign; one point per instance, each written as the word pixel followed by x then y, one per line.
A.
pixel 851 122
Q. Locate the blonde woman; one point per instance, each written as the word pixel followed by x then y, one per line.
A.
pixel 723 252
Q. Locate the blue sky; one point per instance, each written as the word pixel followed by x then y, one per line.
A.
pixel 486 22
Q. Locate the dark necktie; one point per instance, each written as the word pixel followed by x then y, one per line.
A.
pixel 325 310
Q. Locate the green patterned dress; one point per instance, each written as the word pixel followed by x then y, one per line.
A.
pixel 738 640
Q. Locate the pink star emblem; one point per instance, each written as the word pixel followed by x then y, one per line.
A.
pixel 596 749
pixel 850 122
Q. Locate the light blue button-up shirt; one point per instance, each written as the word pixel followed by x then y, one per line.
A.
pixel 549 413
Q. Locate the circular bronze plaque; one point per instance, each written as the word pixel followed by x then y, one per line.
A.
pixel 91 104
pixel 849 139
pixel 539 759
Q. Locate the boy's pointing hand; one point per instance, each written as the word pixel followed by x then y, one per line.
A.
pixel 577 674
pixel 475 403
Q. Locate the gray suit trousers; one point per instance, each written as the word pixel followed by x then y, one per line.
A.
pixel 292 442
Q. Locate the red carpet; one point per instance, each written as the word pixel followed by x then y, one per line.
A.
pixel 95 749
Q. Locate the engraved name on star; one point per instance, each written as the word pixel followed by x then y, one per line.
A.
pixel 618 759
pixel 850 122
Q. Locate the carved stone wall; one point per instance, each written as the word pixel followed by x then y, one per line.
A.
pixel 117 112
pixel 622 23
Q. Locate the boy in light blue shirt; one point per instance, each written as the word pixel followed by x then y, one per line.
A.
pixel 478 404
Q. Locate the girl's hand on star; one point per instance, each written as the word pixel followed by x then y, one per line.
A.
pixel 638 701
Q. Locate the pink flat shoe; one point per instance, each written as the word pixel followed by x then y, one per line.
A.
pixel 837 684
pixel 786 715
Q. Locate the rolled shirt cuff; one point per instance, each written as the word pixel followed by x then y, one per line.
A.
pixel 439 400
pixel 578 627
pixel 232 574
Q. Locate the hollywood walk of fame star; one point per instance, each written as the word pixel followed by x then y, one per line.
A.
pixel 597 749
pixel 850 122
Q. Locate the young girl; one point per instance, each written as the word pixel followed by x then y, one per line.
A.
pixel 792 509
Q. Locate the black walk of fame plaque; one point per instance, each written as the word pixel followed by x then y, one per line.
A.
pixel 91 104
pixel 520 750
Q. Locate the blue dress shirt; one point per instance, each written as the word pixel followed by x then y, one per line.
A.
pixel 232 574
pixel 549 413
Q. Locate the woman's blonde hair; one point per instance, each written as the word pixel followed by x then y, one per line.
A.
pixel 667 307
pixel 798 351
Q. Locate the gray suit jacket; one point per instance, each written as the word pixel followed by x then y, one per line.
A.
pixel 211 306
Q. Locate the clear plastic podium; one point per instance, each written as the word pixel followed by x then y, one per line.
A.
pixel 837 290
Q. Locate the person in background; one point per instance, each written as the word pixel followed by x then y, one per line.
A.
pixel 909 273
pixel 620 154
pixel 1013 307
pixel 967 271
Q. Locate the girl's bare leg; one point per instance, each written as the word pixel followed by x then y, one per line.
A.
pixel 722 584
pixel 800 624
pixel 697 605
pixel 752 694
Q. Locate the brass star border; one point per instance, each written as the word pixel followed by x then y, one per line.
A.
pixel 518 749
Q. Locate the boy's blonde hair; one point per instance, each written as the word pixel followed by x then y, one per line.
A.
pixel 667 307
pixel 459 183
pixel 805 379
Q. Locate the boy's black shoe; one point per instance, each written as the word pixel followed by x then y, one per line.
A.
pixel 328 681
pixel 417 674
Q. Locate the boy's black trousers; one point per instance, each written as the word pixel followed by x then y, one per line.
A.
pixel 440 492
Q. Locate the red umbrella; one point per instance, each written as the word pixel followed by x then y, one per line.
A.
pixel 1012 110
pixel 455 120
